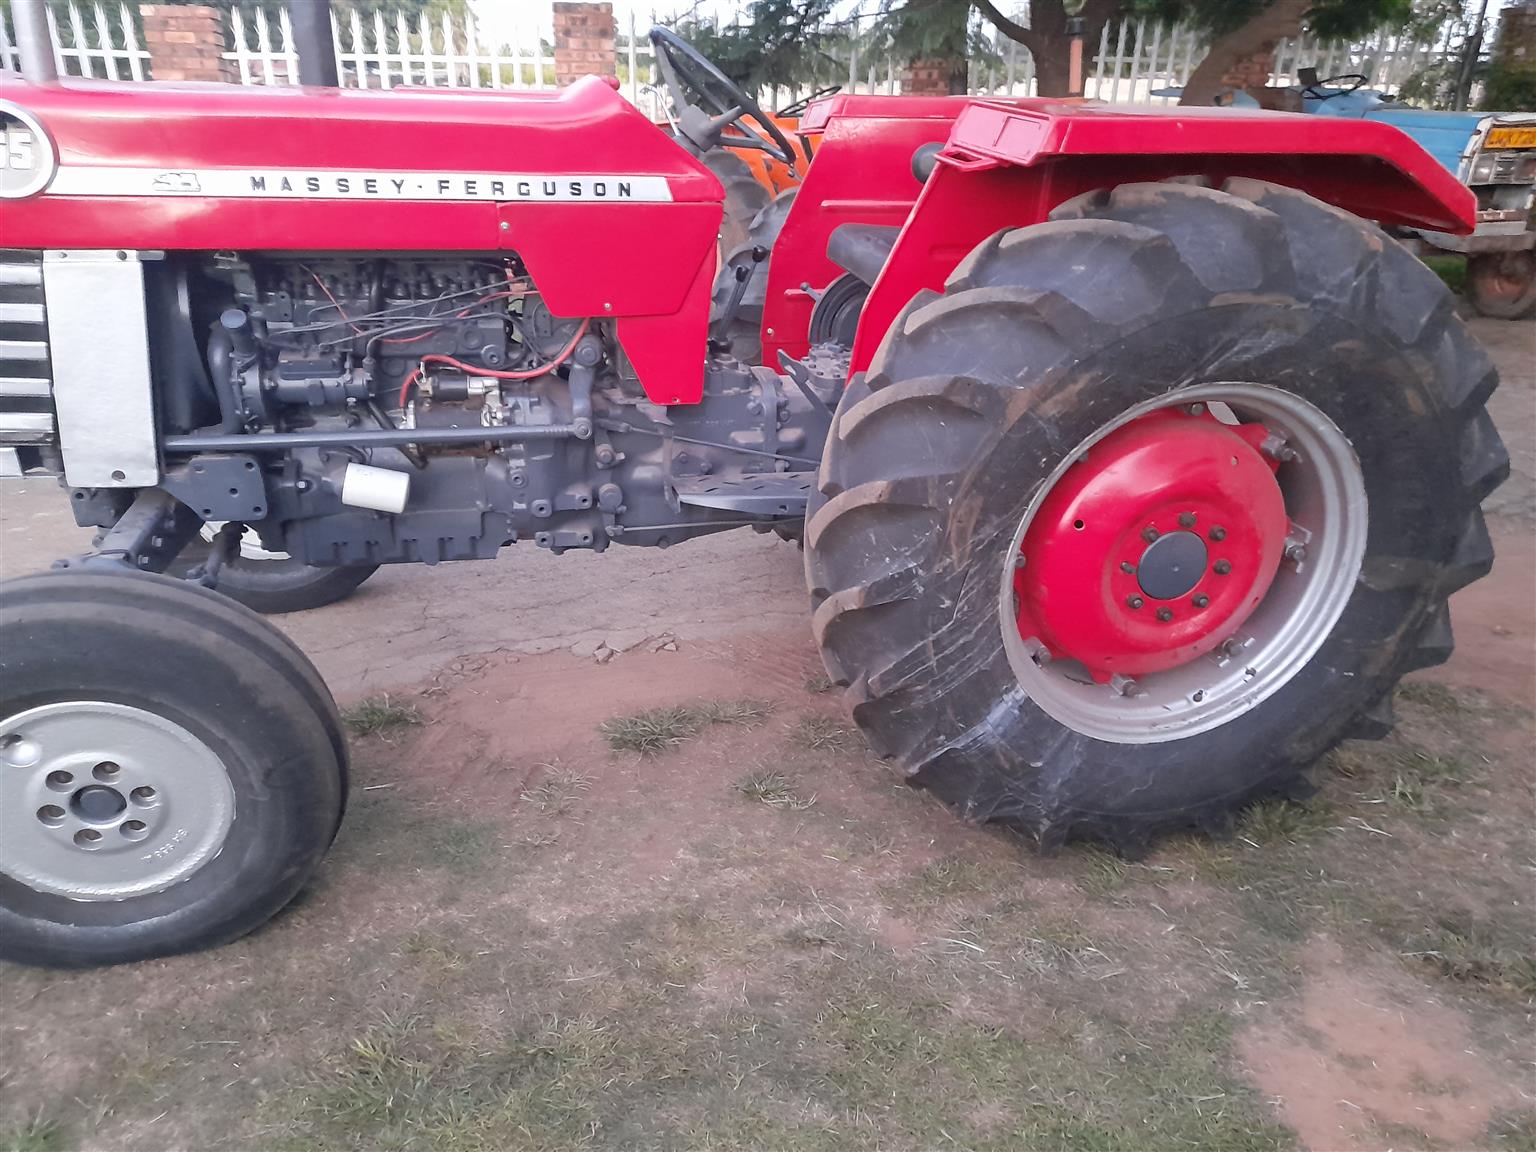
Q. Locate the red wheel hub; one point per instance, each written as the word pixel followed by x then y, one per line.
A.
pixel 1153 548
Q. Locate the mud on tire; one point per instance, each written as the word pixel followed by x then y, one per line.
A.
pixel 1044 335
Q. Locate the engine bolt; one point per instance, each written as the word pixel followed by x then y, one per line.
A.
pixel 1186 519
pixel 1222 567
pixel 1149 533
pixel 1134 601
pixel 1127 567
pixel 1218 533
pixel 1165 614
pixel 1201 600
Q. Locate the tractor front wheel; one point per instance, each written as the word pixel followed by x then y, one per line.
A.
pixel 1150 507
pixel 172 770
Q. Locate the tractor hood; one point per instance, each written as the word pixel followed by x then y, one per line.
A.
pixel 215 165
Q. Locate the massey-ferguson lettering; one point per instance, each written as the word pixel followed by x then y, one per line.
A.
pixel 1132 466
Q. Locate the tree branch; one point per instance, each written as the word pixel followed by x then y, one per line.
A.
pixel 1009 28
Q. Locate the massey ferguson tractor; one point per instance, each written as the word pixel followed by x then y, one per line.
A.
pixel 1133 466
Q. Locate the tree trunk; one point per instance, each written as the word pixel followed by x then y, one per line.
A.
pixel 1255 39
pixel 1053 74
pixel 1046 37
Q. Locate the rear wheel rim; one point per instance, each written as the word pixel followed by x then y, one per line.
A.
pixel 104 801
pixel 1319 478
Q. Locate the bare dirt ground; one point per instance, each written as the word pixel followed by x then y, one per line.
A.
pixel 531 935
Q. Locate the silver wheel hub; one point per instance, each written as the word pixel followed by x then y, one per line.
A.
pixel 104 801
pixel 1325 502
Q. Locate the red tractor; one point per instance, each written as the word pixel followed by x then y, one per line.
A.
pixel 1133 467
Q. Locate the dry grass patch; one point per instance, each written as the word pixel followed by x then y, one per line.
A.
pixel 658 730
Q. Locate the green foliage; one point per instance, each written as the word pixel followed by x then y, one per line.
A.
pixel 1328 19
pixel 780 42
pixel 1509 88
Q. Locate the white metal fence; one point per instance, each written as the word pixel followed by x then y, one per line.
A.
pixel 96 39
pixel 1133 58
pixel 387 52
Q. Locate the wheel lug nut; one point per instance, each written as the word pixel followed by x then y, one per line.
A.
pixel 1186 519
pixel 1149 533
pixel 1295 553
pixel 1218 533
pixel 1165 614
pixel 1127 567
pixel 1201 600
pixel 1134 601
pixel 1222 567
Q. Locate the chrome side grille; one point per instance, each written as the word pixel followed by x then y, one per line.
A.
pixel 26 383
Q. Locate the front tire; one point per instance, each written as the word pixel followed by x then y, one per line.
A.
pixel 1148 301
pixel 172 774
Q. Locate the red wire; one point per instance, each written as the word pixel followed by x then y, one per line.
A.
pixel 524 374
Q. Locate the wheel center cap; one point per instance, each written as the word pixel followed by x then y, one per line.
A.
pixel 97 802
pixel 1172 565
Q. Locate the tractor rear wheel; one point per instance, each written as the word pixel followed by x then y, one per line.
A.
pixel 171 771
pixel 1151 506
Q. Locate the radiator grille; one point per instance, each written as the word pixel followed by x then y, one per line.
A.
pixel 26 384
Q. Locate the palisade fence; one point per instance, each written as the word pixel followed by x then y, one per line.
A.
pixel 1134 59
pixel 99 39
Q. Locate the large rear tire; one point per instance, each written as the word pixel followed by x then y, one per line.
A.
pixel 1057 348
pixel 173 769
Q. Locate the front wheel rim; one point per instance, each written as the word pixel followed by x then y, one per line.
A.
pixel 1316 565
pixel 104 801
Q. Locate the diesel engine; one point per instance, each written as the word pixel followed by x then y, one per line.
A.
pixel 374 410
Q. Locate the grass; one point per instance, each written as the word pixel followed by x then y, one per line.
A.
pixel 379 715
pixel 949 876
pixel 773 789
pixel 1451 269
pixel 394 833
pixel 1102 873
pixel 1478 953
pixel 659 730
pixel 819 685
pixel 1272 822
pixel 34 1135
pixel 823 734
pixel 557 790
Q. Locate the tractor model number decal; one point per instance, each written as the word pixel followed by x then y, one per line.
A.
pixel 335 184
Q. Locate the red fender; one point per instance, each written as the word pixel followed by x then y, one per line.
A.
pixel 1008 163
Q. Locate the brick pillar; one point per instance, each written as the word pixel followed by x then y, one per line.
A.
pixel 185 42
pixel 931 76
pixel 584 41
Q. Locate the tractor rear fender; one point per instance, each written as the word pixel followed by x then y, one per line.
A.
pixel 1006 166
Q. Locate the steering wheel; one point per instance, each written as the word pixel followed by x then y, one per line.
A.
pixel 799 106
pixel 1315 89
pixel 717 102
